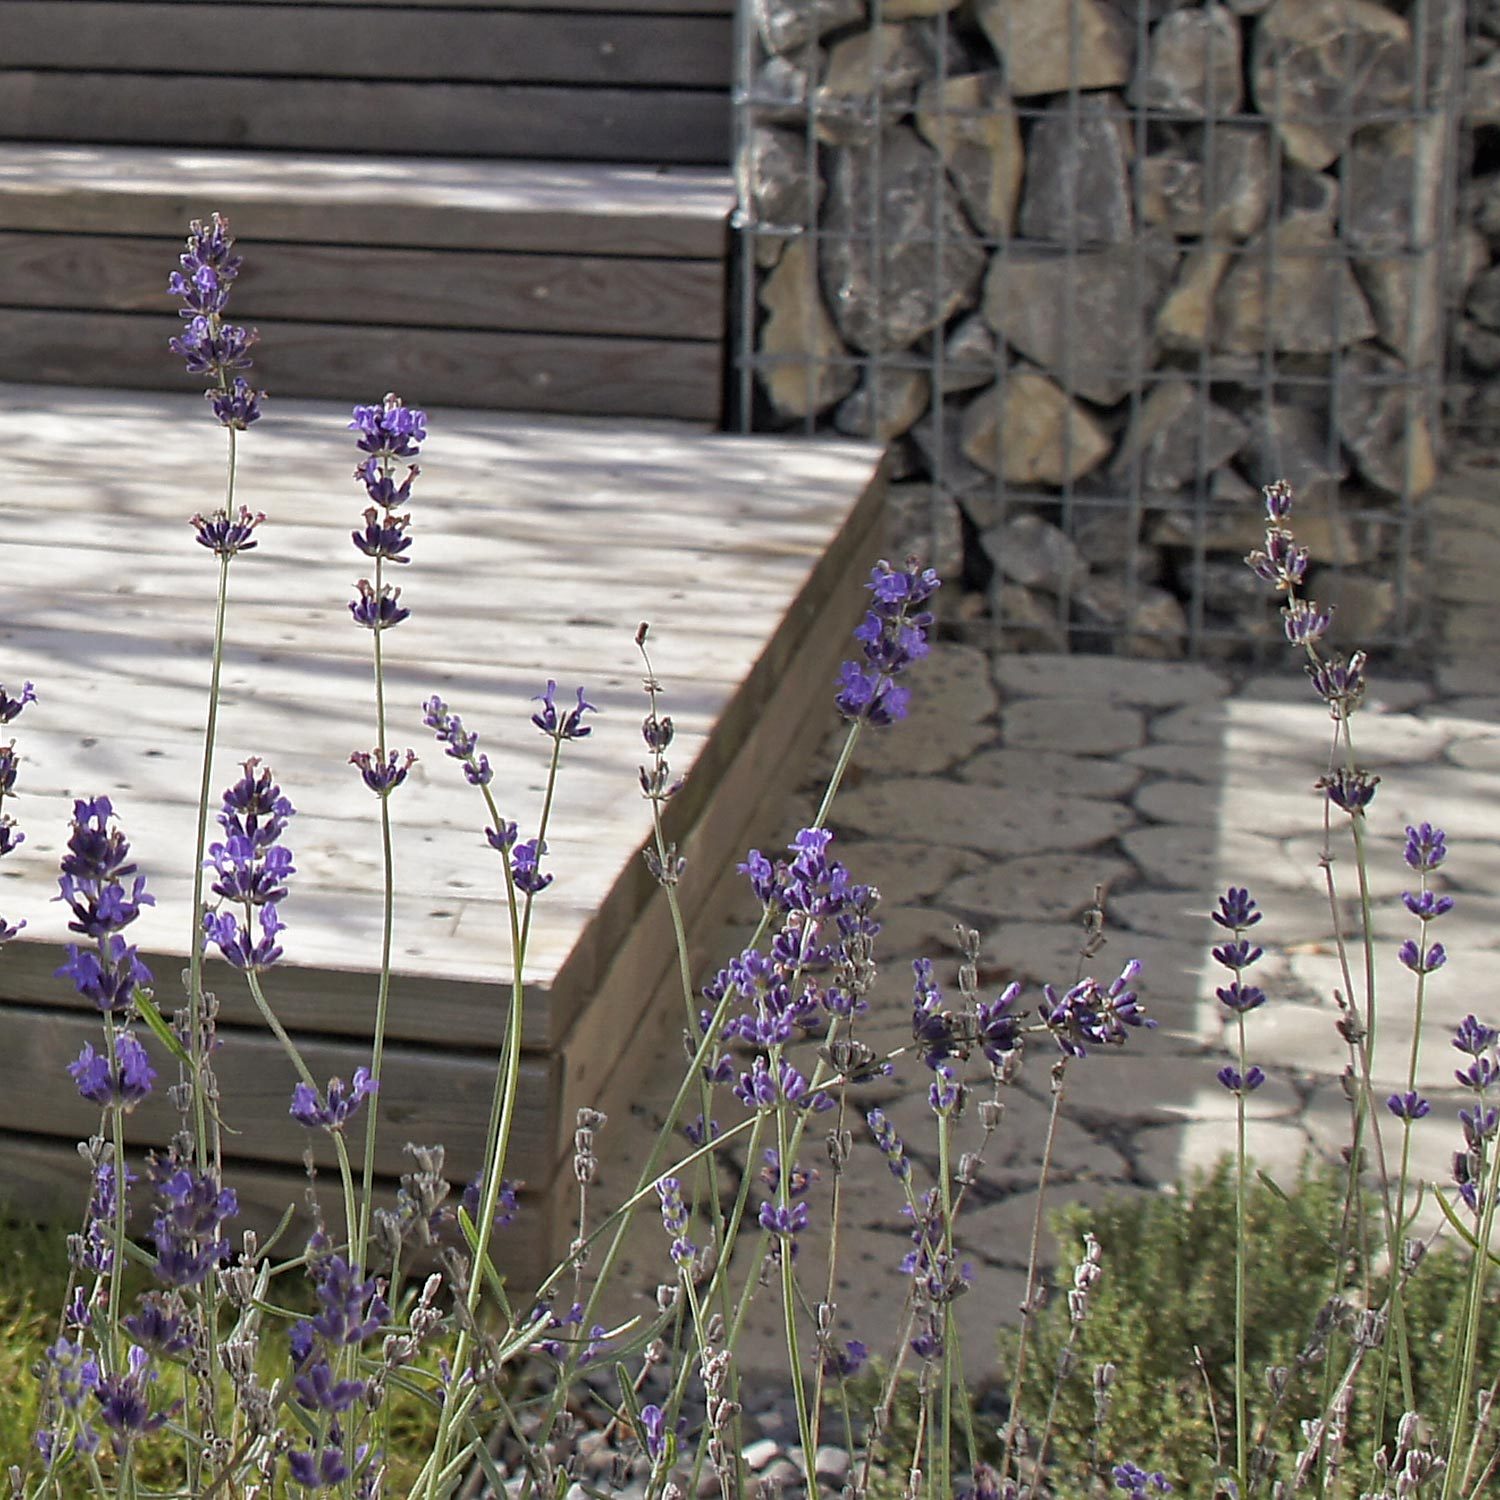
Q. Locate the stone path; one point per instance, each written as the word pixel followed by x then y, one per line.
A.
pixel 1019 784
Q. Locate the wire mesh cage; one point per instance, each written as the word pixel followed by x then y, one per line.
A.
pixel 1096 270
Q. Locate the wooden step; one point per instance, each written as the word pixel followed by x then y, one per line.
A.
pixel 589 289
pixel 539 546
pixel 636 82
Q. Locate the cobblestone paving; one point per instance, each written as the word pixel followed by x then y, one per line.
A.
pixel 1020 783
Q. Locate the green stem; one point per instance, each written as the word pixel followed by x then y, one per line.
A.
pixel 1241 1423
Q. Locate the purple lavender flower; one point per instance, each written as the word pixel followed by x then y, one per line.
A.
pixel 893 634
pixel 507 1204
pixel 1426 847
pixel 570 725
pixel 192 1208
pixel 121 1087
pixel 238 945
pixel 210 346
pixel 1408 1106
pixel 845 1363
pixel 1473 1037
pixel 340 1103
pixel 225 535
pixel 1304 622
pixel 251 868
pixel 889 1143
pixel 1278 498
pixel 787 1223
pixel 11 707
pixel 383 774
pixel 1280 562
pixel 390 430
pixel 377 608
pixel 159 1326
pixel 1236 910
pixel 1480 1075
pixel 1136 1482
pixel 1239 954
pixel 525 860
pixel 1350 791
pixel 109 976
pixel 458 742
pixel 674 1219
pixel 1238 1083
pixel 654 1432
pixel 124 1400
pixel 1340 683
pixel 1426 906
pixel 1422 960
pixel 383 536
pixel 326 1464
pixel 1090 1014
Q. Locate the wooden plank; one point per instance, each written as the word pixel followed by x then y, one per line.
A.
pixel 636 377
pixel 429 1095
pixel 628 7
pixel 612 295
pixel 588 124
pixel 585 208
pixel 318 41
pixel 655 523
pixel 45 1179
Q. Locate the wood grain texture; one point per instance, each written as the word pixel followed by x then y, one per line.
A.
pixel 448 119
pixel 576 208
pixel 541 544
pixel 628 377
pixel 473 290
pixel 413 43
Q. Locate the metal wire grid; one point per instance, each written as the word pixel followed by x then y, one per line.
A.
pixel 1254 385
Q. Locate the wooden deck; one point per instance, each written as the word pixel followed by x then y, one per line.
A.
pixel 539 546
pixel 590 288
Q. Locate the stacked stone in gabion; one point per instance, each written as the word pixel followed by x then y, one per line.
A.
pixel 1098 269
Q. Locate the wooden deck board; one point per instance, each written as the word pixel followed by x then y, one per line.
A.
pixel 369 116
pixel 543 544
pixel 582 208
pixel 495 45
pixel 404 288
pixel 628 377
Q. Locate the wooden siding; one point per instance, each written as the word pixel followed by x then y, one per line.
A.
pixel 539 547
pixel 623 85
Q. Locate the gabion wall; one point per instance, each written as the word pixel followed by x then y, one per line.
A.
pixel 1099 268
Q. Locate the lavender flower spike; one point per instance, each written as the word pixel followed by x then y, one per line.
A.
pixel 893 635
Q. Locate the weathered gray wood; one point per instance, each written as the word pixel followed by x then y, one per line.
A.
pixel 498 371
pixel 442 1097
pixel 587 124
pixel 580 208
pixel 319 41
pixel 406 288
pixel 519 522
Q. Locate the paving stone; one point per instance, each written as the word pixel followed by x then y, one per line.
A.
pixel 979 817
pixel 1146 1088
pixel 1040 887
pixel 1207 858
pixel 1301 1038
pixel 1433 1141
pixel 1181 915
pixel 1047 953
pixel 1195 762
pixel 915 932
pixel 1078 725
pixel 1191 802
pixel 1029 771
pixel 1472 866
pixel 1481 753
pixel 1167 1154
pixel 1384 695
pixel 1473 715
pixel 951 696
pixel 1470 675
pixel 1110 679
pixel 1467 806
pixel 906 872
pixel 1295 737
pixel 1002 1231
pixel 1193 724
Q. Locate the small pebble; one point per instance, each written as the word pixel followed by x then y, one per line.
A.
pixel 759 1453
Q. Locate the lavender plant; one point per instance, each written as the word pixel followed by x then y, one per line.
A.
pixel 183 1339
